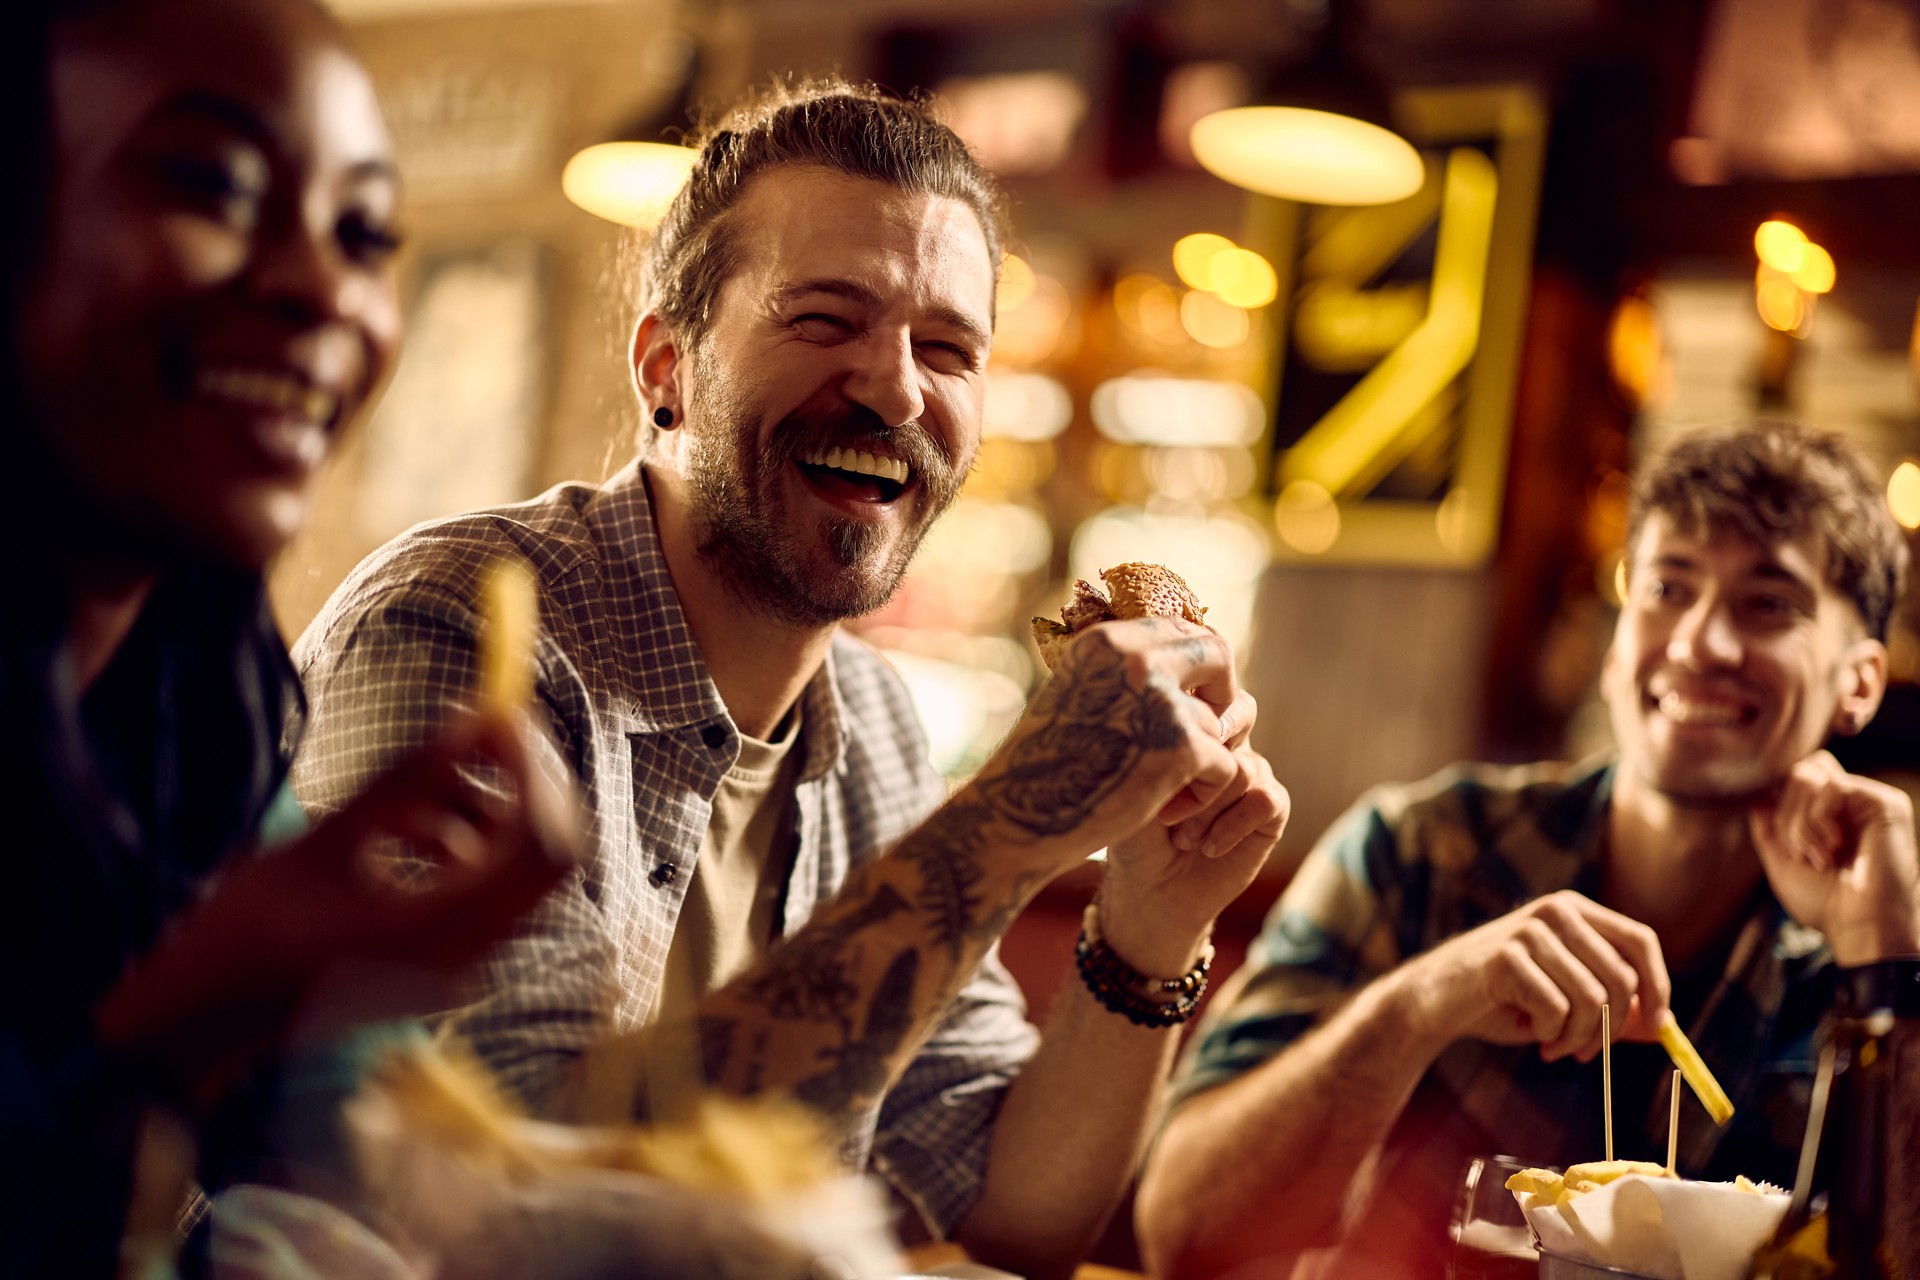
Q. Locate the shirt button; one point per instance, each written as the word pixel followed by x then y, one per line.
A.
pixel 664 874
pixel 714 736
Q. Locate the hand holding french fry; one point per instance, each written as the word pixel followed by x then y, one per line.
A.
pixel 229 975
pixel 1540 975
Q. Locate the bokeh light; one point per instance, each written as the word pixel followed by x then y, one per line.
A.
pixel 1144 409
pixel 1903 494
pixel 1213 322
pixel 1193 257
pixel 1016 282
pixel 1815 273
pixel 1781 245
pixel 1033 331
pixel 1782 306
pixel 1025 406
pixel 1306 517
pixel 1244 278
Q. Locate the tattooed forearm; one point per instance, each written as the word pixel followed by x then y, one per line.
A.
pixel 1056 775
pixel 860 1070
pixel 811 976
pixel 1093 728
pixel 946 852
pixel 716 1045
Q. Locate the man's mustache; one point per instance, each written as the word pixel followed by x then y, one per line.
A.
pixel 809 431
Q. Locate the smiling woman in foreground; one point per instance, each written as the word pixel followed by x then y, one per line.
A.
pixel 201 300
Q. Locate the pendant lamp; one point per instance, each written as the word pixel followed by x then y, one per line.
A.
pixel 1321 133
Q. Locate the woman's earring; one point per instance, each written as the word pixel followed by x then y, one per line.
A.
pixel 663 417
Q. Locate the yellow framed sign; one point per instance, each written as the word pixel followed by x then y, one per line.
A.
pixel 1399 332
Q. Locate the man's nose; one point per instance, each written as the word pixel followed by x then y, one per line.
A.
pixel 886 378
pixel 1705 637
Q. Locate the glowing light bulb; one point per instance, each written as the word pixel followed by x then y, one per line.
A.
pixel 1781 245
pixel 1315 156
pixel 627 182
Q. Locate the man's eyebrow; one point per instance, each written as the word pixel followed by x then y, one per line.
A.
pixel 854 291
pixel 1774 571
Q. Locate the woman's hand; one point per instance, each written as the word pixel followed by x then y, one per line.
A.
pixel 228 977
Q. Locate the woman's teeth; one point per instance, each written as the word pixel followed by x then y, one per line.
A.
pixel 860 463
pixel 276 392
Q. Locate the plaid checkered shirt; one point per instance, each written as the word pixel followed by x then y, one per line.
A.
pixel 1411 866
pixel 635 721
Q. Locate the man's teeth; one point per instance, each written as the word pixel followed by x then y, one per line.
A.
pixel 860 462
pixel 274 391
pixel 1683 710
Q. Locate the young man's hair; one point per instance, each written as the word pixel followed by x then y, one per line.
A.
pixel 858 130
pixel 1773 481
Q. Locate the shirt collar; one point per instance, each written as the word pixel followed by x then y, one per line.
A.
pixel 661 670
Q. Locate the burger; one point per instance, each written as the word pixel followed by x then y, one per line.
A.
pixel 1133 590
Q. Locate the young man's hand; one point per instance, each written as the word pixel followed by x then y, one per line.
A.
pixel 1538 975
pixel 1839 851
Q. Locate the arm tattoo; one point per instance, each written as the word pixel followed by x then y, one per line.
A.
pixel 947 857
pixel 1093 730
pixel 859 1070
pixel 808 977
pixel 716 1045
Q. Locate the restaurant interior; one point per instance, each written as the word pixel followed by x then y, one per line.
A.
pixel 1381 418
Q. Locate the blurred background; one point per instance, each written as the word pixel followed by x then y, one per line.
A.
pixel 1384 429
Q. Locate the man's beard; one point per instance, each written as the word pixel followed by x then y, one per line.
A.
pixel 742 528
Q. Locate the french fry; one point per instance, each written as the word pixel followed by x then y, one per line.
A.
pixel 1688 1059
pixel 509 619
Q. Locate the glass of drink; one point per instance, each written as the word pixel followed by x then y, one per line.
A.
pixel 1489 1238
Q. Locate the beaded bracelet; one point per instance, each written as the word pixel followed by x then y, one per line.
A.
pixel 1122 989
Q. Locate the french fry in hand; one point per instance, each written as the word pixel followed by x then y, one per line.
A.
pixel 509 619
pixel 1688 1059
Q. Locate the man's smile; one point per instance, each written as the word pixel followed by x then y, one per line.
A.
pixel 1697 708
pixel 856 474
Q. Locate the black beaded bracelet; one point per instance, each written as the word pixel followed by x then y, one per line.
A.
pixel 1122 989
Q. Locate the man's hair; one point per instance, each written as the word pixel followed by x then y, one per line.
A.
pixel 1773 481
pixel 858 130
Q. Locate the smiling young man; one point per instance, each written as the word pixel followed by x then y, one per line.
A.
pixel 775 874
pixel 1429 988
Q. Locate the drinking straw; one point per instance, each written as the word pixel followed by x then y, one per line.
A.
pixel 1673 1123
pixel 1606 1069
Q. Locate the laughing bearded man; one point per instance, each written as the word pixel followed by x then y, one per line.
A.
pixel 774 868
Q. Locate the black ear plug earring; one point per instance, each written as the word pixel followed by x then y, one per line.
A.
pixel 663 417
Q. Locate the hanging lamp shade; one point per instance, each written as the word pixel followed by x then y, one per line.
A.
pixel 627 182
pixel 1321 132
pixel 1298 153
